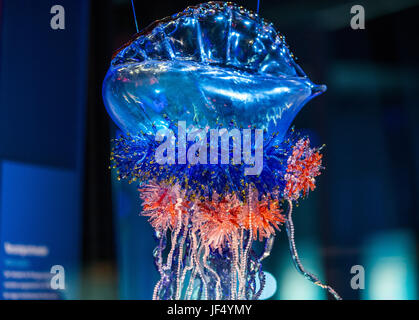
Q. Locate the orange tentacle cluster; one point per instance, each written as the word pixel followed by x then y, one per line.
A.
pixel 218 220
pixel 304 165
pixel 266 217
pixel 159 203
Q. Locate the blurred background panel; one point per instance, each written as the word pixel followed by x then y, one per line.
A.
pixel 43 91
pixel 365 208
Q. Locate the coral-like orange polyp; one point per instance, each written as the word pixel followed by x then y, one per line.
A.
pixel 304 165
pixel 161 204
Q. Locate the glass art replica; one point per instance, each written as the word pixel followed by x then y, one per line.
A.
pixel 205 99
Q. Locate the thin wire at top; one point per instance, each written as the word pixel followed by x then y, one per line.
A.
pixel 135 16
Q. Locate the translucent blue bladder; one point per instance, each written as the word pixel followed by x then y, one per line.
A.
pixel 212 65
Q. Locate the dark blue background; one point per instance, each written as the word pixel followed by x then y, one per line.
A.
pixel 43 79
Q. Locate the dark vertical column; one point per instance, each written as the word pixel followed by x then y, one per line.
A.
pixel 98 231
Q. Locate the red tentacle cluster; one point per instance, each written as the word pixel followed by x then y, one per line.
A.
pixel 218 220
pixel 222 218
pixel 304 165
pixel 266 216
pixel 160 204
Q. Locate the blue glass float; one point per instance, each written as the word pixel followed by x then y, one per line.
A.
pixel 215 65
pixel 211 64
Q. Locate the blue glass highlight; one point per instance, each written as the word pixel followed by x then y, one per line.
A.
pixel 211 65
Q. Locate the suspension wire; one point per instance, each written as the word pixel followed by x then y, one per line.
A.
pixel 257 10
pixel 135 16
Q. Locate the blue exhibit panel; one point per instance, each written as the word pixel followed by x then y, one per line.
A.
pixel 43 89
pixel 43 85
pixel 40 228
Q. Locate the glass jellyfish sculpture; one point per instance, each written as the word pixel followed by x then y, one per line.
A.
pixel 205 99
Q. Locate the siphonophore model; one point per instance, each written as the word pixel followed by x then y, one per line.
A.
pixel 205 99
